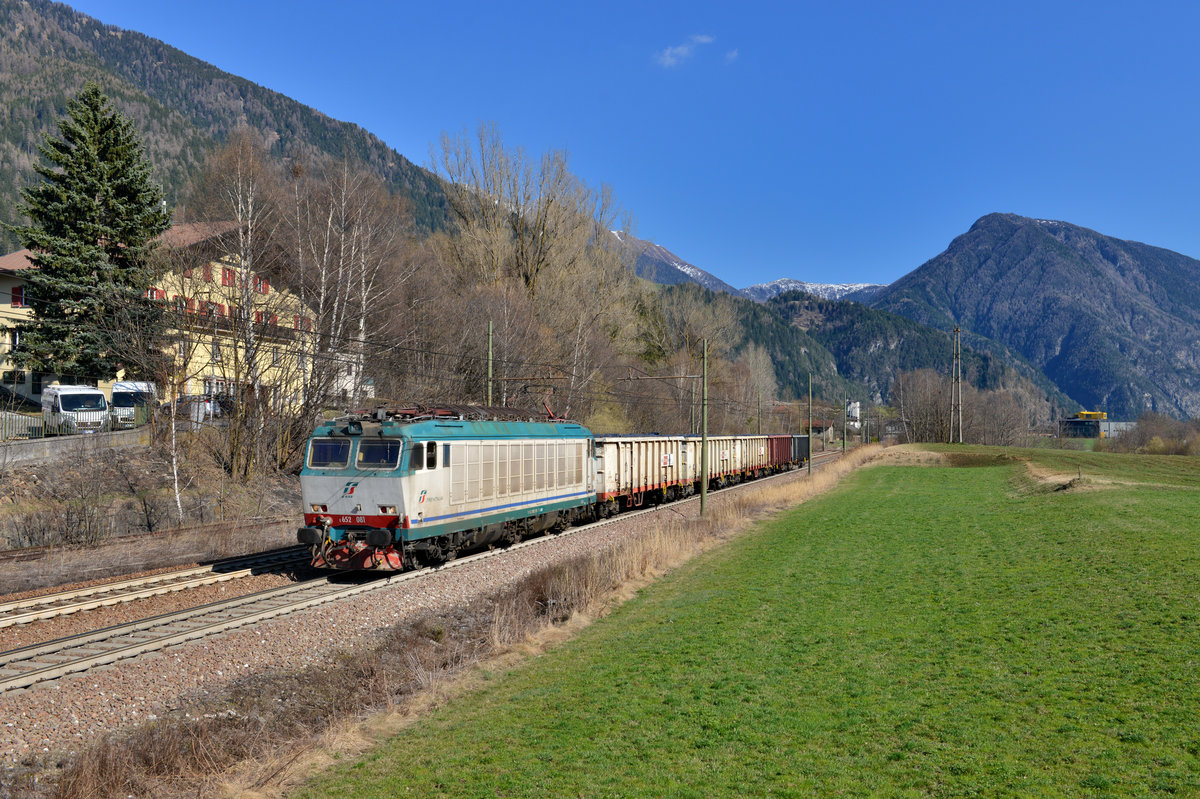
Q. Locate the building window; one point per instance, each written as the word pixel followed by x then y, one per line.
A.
pixel 228 276
pixel 258 317
pixel 274 320
pixel 206 273
pixel 275 356
pixel 37 383
pixel 216 352
pixel 262 285
pixel 18 296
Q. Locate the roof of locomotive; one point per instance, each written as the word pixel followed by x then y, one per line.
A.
pixel 450 422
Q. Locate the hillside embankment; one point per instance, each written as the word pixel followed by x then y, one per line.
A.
pixel 102 512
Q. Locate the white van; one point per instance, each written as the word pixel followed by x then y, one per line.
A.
pixel 132 402
pixel 73 409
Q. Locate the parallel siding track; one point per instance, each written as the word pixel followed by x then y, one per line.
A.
pixel 46 606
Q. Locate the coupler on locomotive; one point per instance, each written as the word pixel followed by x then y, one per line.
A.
pixel 358 548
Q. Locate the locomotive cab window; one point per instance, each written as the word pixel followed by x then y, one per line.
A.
pixel 378 454
pixel 416 460
pixel 329 453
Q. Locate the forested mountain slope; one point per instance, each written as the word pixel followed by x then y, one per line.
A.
pixel 871 347
pixel 849 349
pixel 1115 324
pixel 182 106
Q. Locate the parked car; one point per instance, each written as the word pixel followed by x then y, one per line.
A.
pixel 67 410
pixel 131 402
pixel 195 408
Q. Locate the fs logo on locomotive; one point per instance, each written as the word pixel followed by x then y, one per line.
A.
pixel 348 490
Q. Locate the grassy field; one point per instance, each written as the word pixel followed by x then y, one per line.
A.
pixel 957 630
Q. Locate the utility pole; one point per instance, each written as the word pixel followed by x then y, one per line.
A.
pixel 956 409
pixel 810 446
pixel 845 421
pixel 704 429
pixel 489 382
pixel 760 412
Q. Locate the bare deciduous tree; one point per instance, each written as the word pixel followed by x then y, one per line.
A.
pixel 537 243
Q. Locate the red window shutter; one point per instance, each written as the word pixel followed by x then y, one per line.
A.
pixel 206 273
pixel 18 296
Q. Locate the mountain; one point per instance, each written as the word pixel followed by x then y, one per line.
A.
pixel 1115 324
pixel 659 265
pixel 183 107
pixel 856 292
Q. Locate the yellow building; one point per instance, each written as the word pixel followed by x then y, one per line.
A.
pixel 234 333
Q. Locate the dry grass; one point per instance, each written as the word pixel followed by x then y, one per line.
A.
pixel 264 731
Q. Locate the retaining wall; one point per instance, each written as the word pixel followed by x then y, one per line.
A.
pixel 20 453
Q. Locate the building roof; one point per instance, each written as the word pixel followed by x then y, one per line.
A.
pixel 184 234
pixel 15 261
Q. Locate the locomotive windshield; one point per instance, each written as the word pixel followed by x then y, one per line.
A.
pixel 379 454
pixel 329 453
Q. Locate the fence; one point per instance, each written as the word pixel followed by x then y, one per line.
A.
pixel 28 426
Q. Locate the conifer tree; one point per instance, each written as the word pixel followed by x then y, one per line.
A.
pixel 94 222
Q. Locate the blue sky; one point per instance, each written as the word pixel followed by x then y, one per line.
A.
pixel 828 142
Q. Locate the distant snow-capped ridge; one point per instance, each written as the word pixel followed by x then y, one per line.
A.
pixel 859 292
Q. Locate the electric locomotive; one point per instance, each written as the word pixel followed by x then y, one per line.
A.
pixel 414 487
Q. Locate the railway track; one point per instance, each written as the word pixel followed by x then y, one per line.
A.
pixel 46 606
pixel 21 668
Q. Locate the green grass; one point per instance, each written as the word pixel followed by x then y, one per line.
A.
pixel 921 631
